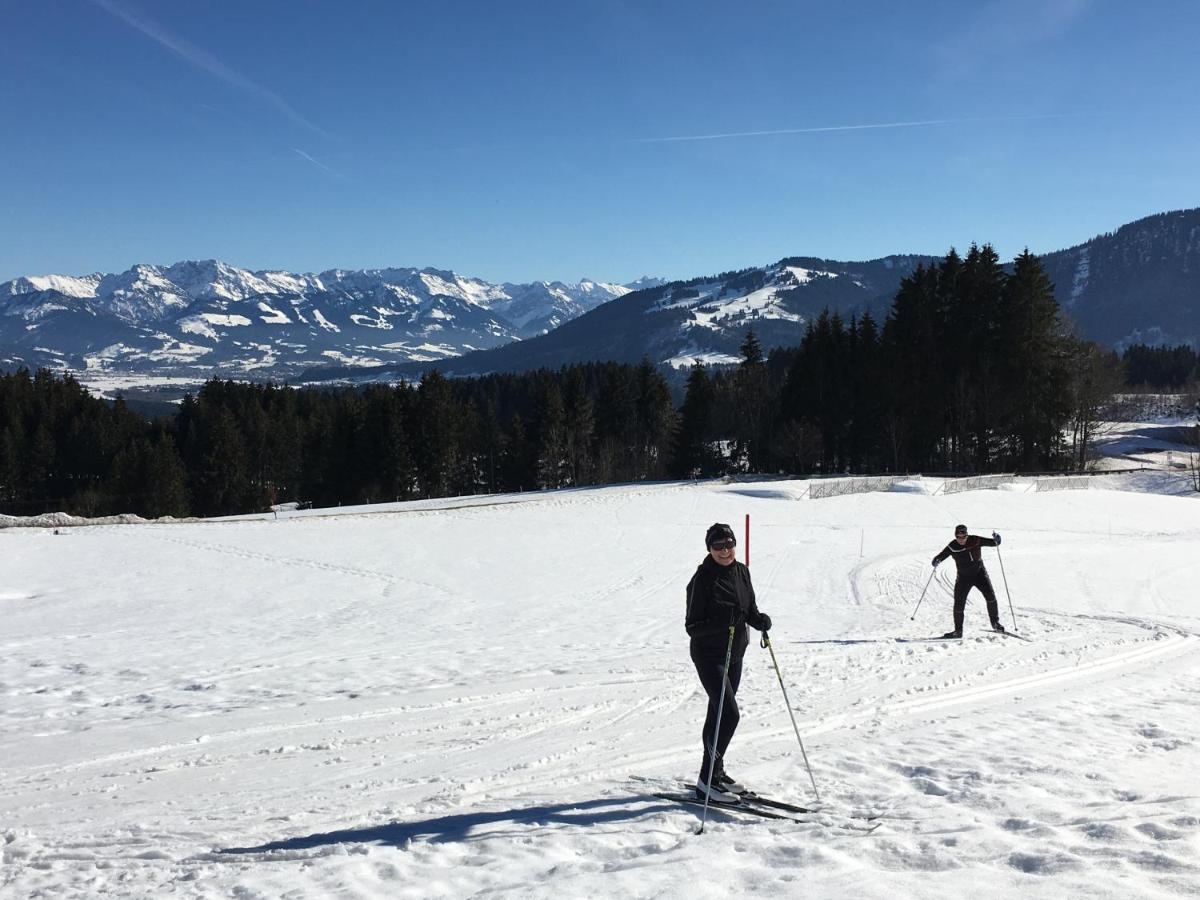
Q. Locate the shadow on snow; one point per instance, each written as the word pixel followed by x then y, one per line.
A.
pixel 456 828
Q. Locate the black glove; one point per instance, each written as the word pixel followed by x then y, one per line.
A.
pixel 996 538
pixel 934 562
pixel 762 623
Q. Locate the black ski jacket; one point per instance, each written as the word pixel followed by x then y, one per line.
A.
pixel 714 594
pixel 968 557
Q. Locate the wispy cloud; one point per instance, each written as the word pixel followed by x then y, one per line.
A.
pixel 316 162
pixel 994 31
pixel 925 123
pixel 202 59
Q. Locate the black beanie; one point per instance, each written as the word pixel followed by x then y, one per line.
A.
pixel 718 532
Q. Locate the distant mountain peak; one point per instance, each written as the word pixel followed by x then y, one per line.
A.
pixel 205 316
pixel 196 318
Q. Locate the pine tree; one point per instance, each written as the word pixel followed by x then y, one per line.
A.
pixel 916 383
pixel 11 476
pixel 617 423
pixel 656 423
pixel 580 425
pixel 518 466
pixel 552 464
pixel 976 322
pixel 694 455
pixel 1034 370
pixel 166 481
pixel 752 402
pixel 223 480
pixel 438 429
pixel 751 350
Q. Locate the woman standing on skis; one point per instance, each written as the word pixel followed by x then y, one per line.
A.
pixel 720 596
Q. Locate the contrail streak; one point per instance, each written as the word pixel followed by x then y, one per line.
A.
pixel 925 123
pixel 206 61
pixel 315 162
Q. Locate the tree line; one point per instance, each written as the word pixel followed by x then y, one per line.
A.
pixel 239 447
pixel 972 370
pixel 1161 368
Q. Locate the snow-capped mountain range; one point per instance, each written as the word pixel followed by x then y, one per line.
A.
pixel 193 320
pixel 203 318
pixel 1140 283
pixel 704 319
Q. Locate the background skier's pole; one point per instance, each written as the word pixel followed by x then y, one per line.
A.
pixel 1006 590
pixel 747 547
pixel 918 606
pixel 766 640
pixel 712 751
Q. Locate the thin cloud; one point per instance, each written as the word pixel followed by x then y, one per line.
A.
pixel 206 61
pixel 926 123
pixel 996 30
pixel 316 162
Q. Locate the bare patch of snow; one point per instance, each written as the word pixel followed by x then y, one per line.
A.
pixel 273 316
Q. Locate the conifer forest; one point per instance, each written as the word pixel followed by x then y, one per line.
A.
pixel 973 369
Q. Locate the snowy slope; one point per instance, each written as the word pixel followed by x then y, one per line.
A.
pixel 453 698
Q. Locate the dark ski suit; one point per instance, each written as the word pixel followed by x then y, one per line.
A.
pixel 971 574
pixel 718 596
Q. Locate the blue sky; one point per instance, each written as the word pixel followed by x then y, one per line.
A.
pixel 520 141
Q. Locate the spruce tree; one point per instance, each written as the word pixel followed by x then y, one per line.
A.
pixel 656 423
pixel 223 479
pixel 552 464
pixel 751 399
pixel 1033 370
pixel 916 384
pixel 437 429
pixel 166 480
pixel 976 322
pixel 694 455
pixel 580 425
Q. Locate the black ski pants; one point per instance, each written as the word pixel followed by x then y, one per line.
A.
pixel 709 660
pixel 962 587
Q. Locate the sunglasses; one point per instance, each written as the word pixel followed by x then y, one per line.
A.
pixel 727 544
pixel 959 534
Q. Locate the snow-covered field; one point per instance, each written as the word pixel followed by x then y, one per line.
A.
pixel 1168 444
pixel 482 699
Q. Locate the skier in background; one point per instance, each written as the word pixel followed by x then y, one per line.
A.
pixel 968 556
pixel 719 595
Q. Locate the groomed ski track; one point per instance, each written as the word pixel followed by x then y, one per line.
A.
pixel 450 702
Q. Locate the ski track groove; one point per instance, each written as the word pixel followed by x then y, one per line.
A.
pixel 212 739
pixel 886 708
pixel 384 578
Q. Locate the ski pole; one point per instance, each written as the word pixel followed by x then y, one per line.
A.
pixel 712 751
pixel 918 606
pixel 1000 557
pixel 766 642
